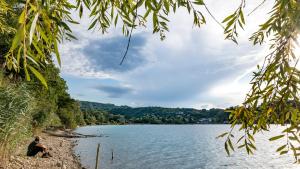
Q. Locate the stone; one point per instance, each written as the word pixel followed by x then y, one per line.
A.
pixel 58 164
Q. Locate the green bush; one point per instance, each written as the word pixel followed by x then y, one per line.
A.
pixel 67 118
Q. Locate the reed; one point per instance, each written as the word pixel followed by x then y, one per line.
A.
pixel 15 117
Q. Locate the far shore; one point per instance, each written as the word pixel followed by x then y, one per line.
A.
pixel 122 124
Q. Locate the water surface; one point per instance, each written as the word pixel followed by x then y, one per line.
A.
pixel 175 147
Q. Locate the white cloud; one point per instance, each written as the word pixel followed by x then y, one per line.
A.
pixel 192 68
pixel 75 63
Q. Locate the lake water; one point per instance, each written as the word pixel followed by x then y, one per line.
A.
pixel 175 147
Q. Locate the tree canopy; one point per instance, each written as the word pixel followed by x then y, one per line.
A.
pixel 35 28
pixel 100 113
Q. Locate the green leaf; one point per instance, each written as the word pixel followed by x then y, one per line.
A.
pixel 57 53
pixel 93 24
pixel 226 148
pixel 32 59
pixel 288 130
pixel 73 22
pixel 198 2
pixel 240 139
pixel 22 17
pixel 38 75
pixel 32 28
pixel 26 73
pixel 167 5
pixel 155 19
pixel 17 39
pixel 43 35
pixel 294 115
pixel 252 146
pixel 71 36
pixel 227 18
pixel 80 10
pixel 276 137
pixel 240 24
pixel 251 137
pixel 241 146
pixel 65 26
pixel 19 57
pixel 139 3
pixel 229 24
pixel 247 149
pixel 86 3
pixel 250 151
pixel 164 18
pixel 283 152
pixel 230 144
pixel 292 138
pixel 38 49
pixel 281 148
pixel 147 13
pixel 242 17
pixel 116 20
pixel 222 135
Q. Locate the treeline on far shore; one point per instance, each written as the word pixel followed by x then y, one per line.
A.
pixel 100 113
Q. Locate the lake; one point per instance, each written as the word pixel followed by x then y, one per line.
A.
pixel 175 147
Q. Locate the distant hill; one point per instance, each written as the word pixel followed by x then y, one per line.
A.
pixel 85 105
pixel 100 113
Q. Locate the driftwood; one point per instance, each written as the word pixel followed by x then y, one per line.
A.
pixel 68 134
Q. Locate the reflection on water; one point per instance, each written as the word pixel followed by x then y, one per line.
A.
pixel 175 147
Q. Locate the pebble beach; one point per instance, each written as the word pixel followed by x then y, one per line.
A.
pixel 61 149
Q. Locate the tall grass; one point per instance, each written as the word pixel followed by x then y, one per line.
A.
pixel 15 116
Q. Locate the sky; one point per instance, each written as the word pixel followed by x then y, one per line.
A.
pixel 193 67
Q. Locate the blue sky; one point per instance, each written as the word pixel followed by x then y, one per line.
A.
pixel 192 68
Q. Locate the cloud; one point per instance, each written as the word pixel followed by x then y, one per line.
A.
pixel 193 74
pixel 191 68
pixel 106 54
pixel 100 58
pixel 114 91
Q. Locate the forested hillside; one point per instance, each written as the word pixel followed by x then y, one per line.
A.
pixel 99 113
pixel 27 107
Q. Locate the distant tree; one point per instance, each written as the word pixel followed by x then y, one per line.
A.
pixel 54 101
pixel 69 111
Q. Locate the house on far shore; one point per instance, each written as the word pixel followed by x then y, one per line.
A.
pixel 204 121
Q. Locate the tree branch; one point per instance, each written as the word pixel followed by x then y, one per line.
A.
pixel 129 39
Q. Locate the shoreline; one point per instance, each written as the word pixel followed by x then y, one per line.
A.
pixel 61 148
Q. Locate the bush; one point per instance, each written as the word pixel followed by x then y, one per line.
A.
pixel 67 118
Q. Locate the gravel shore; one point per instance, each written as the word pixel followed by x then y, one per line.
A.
pixel 60 148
